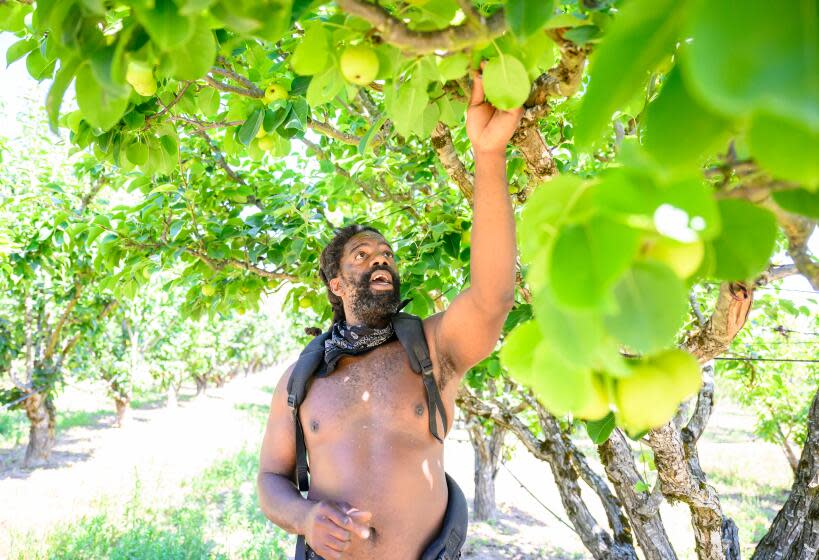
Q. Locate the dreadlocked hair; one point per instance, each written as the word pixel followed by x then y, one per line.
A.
pixel 330 263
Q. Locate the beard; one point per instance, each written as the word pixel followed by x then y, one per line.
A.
pixel 375 308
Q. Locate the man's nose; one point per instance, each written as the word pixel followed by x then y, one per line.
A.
pixel 380 259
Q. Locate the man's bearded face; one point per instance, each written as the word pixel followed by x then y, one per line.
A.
pixel 374 302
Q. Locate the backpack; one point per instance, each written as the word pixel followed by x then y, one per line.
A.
pixel 410 332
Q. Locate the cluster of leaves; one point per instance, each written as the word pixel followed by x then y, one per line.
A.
pixel 611 259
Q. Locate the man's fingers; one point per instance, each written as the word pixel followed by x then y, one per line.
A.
pixel 477 88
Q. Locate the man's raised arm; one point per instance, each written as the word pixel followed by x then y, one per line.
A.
pixel 470 327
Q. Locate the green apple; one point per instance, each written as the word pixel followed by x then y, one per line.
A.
pixel 267 143
pixel 141 77
pixel 275 91
pixel 598 404
pixel 146 273
pixel 208 290
pixel 359 64
pixel 305 303
pixel 649 397
pixel 683 258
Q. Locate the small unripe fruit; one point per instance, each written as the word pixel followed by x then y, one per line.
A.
pixel 359 64
pixel 683 258
pixel 275 91
pixel 208 290
pixel 267 143
pixel 141 76
pixel 305 303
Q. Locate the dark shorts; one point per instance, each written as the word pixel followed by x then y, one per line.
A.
pixel 446 546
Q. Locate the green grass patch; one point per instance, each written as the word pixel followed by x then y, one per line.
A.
pixel 14 425
pixel 220 518
pixel 751 504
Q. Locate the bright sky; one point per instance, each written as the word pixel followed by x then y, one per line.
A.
pixel 18 90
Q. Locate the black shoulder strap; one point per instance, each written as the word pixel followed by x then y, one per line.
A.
pixel 309 360
pixel 410 332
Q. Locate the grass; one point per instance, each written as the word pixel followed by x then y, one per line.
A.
pixel 219 518
pixel 14 425
pixel 751 504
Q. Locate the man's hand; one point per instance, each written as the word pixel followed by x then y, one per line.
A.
pixel 489 129
pixel 330 526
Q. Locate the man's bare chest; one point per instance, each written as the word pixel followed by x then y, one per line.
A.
pixel 377 389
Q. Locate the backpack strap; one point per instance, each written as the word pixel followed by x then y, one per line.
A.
pixel 410 332
pixel 309 360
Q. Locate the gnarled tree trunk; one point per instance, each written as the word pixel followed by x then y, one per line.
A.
pixel 42 434
pixel 122 409
pixel 487 448
pixel 794 533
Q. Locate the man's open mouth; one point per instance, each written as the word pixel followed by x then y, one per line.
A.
pixel 381 279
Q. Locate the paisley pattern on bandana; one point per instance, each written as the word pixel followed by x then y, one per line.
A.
pixel 351 341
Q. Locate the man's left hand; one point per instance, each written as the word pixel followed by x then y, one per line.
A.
pixel 489 129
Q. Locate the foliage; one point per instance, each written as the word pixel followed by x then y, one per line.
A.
pixel 246 130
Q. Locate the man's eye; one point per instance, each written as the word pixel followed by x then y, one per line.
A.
pixel 362 253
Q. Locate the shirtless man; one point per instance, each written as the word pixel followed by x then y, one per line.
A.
pixel 377 484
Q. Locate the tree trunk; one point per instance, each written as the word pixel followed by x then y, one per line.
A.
pixel 201 384
pixel 487 453
pixel 122 409
pixel 794 532
pixel 42 432
pixel 643 510
pixel 173 396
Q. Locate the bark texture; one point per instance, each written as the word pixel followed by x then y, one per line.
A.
pixel 42 418
pixel 617 458
pixel 794 533
pixel 487 448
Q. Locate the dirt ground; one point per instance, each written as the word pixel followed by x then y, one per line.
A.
pixel 162 448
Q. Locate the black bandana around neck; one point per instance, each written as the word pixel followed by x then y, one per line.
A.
pixel 352 340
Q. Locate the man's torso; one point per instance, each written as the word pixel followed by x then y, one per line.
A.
pixel 366 428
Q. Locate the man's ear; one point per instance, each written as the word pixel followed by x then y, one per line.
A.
pixel 334 286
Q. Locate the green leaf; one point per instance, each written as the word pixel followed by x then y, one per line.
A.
pixel 505 82
pixel 644 33
pixel 324 87
pixel 38 66
pixel 208 101
pixel 137 153
pixel 600 430
pixel 453 66
pixel 747 240
pixel 785 147
pixel 799 201
pixel 193 59
pixel 526 17
pixel 165 25
pixel 247 132
pixel 675 114
pixel 530 361
pixel 100 106
pixel 368 137
pixel 587 259
pixel 651 307
pixel 311 54
pixel 740 62
pixel 20 49
pixel 408 109
pixel 63 78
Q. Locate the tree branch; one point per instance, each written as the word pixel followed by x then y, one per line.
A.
pixel 442 142
pixel 395 32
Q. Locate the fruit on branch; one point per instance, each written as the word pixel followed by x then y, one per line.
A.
pixel 598 404
pixel 359 64
pixel 267 143
pixel 305 303
pixel 649 397
pixel 208 290
pixel 683 258
pixel 275 91
pixel 141 77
